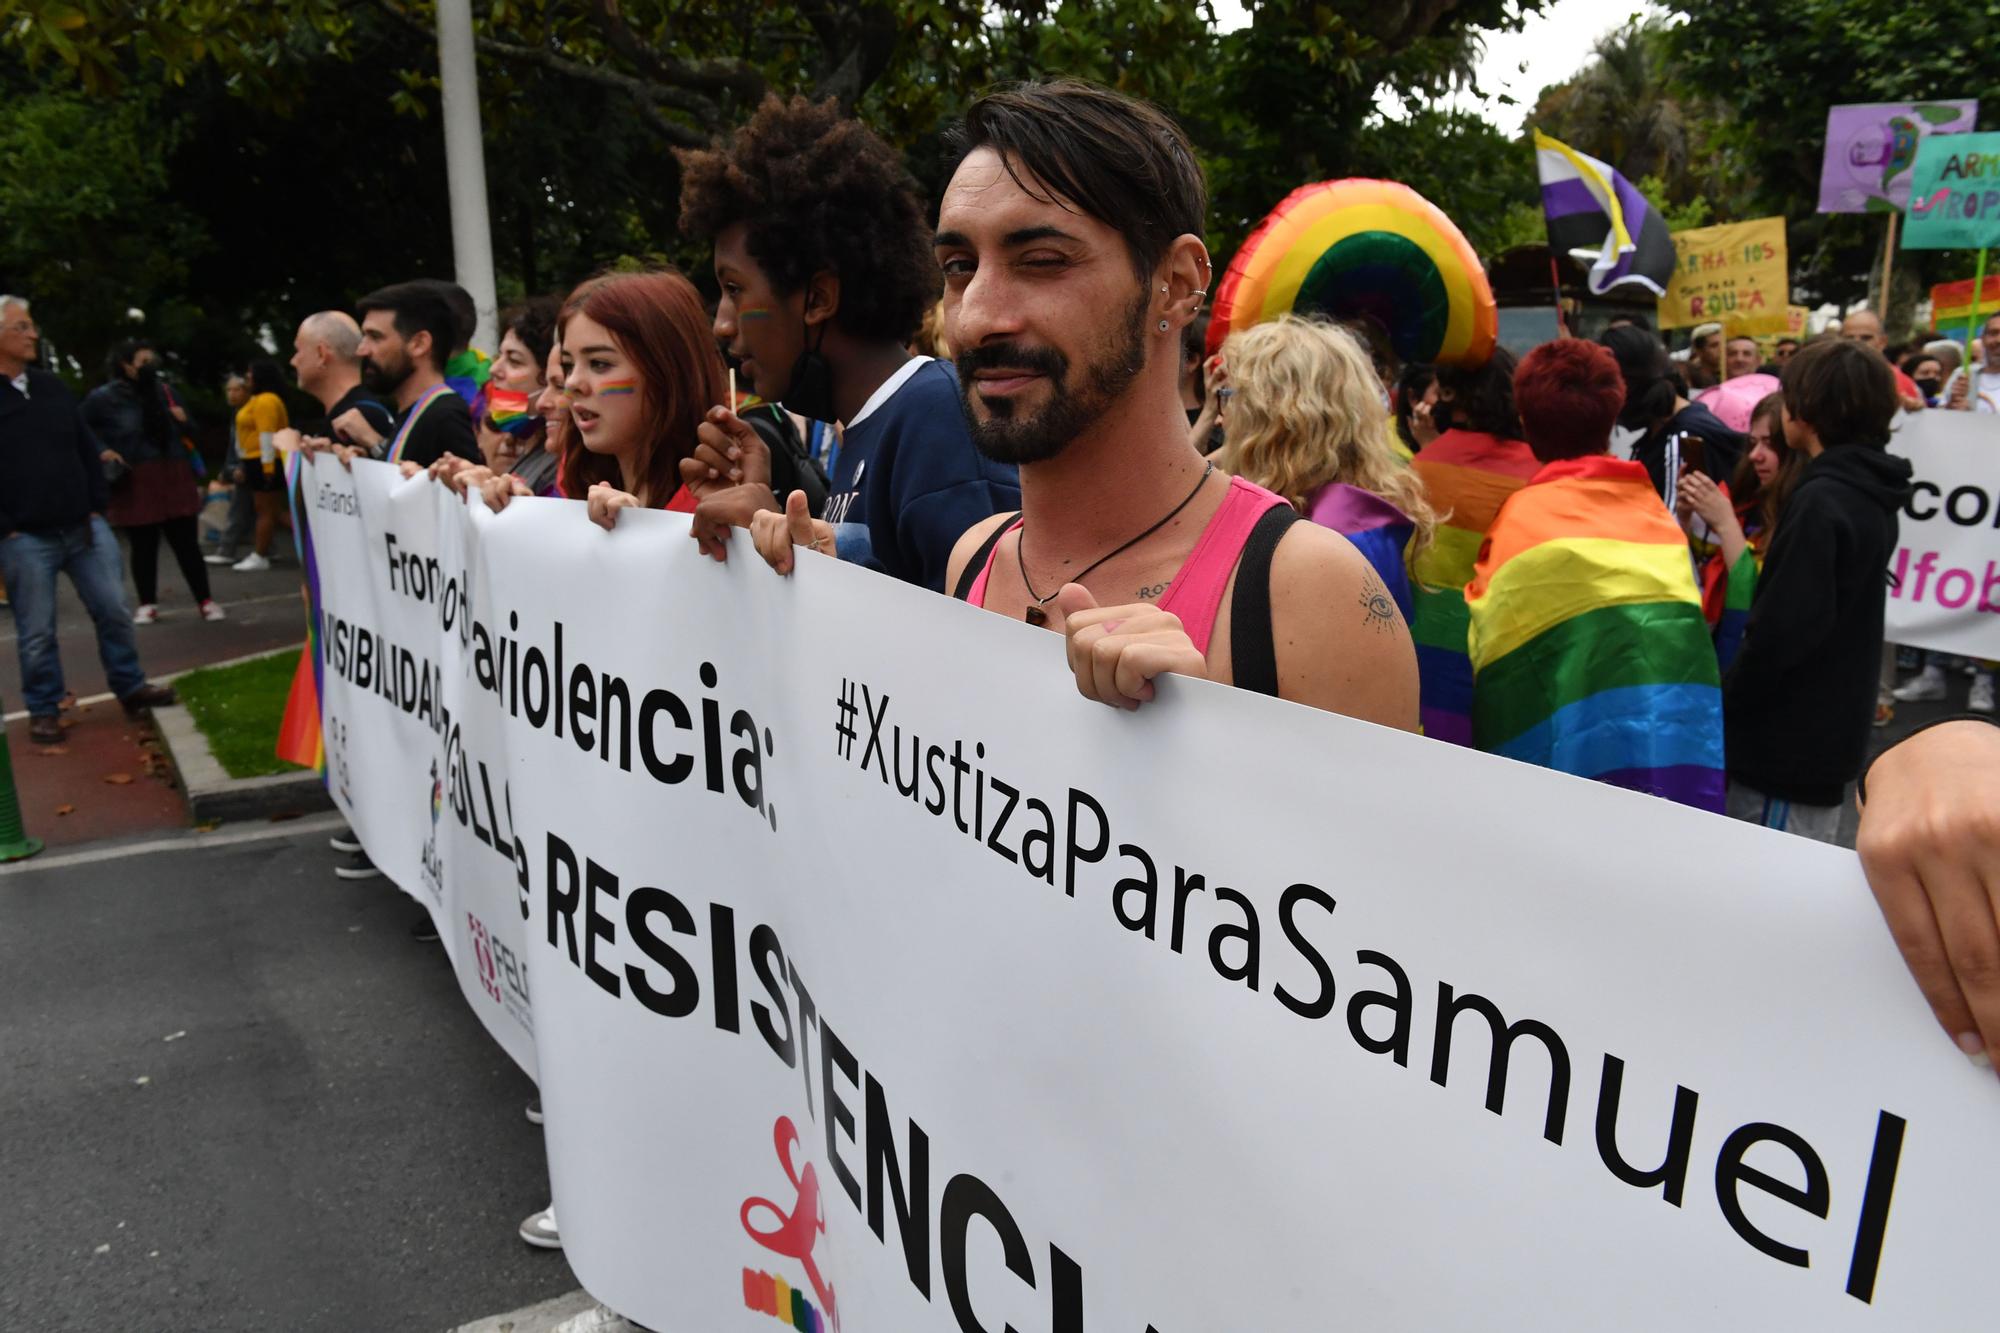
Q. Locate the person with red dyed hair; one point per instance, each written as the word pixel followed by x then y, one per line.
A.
pixel 1590 653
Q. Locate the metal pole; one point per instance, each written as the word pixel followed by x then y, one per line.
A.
pixel 465 165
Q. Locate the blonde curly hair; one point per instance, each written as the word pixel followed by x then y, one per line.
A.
pixel 1307 410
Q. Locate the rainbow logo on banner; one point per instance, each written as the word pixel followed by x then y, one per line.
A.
pixel 775 1296
pixel 1351 248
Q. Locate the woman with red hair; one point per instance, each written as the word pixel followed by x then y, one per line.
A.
pixel 1589 650
pixel 639 372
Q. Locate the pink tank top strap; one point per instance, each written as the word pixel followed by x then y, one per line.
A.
pixel 977 597
pixel 1197 591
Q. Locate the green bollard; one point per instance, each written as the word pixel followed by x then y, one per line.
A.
pixel 15 844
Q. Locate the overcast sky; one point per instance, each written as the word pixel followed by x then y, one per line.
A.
pixel 1554 45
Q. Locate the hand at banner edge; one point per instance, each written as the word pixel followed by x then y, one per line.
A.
pixel 1116 651
pixel 1929 842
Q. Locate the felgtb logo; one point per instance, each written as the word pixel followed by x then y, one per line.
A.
pixel 482 956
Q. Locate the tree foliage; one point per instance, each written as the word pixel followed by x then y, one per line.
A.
pixel 257 161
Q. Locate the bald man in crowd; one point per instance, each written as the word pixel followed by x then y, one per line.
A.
pixel 1865 327
pixel 326 358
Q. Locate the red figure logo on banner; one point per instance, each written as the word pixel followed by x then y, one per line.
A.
pixel 796 1231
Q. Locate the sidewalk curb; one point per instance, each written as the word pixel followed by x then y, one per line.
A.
pixel 577 1312
pixel 213 795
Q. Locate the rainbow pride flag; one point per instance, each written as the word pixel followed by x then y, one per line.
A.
pixel 1467 476
pixel 1725 601
pixel 300 740
pixel 1590 653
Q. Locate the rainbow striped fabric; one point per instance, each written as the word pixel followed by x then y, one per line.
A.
pixel 1725 598
pixel 507 409
pixel 1589 650
pixel 1379 530
pixel 300 740
pixel 1467 476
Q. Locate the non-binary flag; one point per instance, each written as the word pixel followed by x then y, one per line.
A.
pixel 1590 653
pixel 1590 207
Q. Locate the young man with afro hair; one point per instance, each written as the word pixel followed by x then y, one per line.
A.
pixel 822 257
pixel 1590 653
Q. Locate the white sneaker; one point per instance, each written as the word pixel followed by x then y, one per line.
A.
pixel 540 1230
pixel 1980 697
pixel 1923 687
pixel 212 610
pixel 147 614
pixel 251 563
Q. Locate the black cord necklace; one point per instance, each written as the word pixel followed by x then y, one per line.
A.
pixel 1034 615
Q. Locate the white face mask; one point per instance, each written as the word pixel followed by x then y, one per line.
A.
pixel 1623 439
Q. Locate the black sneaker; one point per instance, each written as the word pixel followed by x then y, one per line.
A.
pixel 425 929
pixel 535 1111
pixel 357 866
pixel 344 841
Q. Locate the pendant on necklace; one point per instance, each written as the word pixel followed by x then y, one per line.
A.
pixel 1034 615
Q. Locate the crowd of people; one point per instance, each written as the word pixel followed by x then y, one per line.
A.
pixel 1570 560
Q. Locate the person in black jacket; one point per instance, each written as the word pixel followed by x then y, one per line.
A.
pixel 1799 700
pixel 53 495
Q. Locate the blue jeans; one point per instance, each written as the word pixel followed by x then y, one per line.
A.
pixel 89 554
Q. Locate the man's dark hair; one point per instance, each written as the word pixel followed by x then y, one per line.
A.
pixel 265 377
pixel 1650 389
pixel 1843 390
pixel 121 354
pixel 1786 339
pixel 534 323
pixel 418 307
pixel 1482 397
pixel 1112 157
pixel 820 192
pixel 464 314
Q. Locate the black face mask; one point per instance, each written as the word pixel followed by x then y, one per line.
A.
pixel 1442 415
pixel 1931 388
pixel 146 376
pixel 810 390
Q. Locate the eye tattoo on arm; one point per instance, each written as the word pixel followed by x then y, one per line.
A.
pixel 1378 608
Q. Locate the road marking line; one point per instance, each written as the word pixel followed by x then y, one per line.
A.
pixel 187 842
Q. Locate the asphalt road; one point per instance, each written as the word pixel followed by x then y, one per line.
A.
pixel 333 1144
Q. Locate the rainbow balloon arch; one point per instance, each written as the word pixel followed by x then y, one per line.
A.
pixel 1370 249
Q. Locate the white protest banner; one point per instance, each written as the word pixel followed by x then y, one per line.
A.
pixel 881 981
pixel 417 771
pixel 1944 590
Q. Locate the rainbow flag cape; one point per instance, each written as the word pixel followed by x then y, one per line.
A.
pixel 299 737
pixel 1589 649
pixel 1467 476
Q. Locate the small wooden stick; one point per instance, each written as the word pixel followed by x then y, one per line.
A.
pixel 732 391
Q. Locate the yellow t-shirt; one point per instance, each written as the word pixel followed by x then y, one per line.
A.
pixel 262 415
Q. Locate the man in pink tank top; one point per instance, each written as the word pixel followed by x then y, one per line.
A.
pixel 1070 243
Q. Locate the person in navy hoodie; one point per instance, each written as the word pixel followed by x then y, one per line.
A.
pixel 823 260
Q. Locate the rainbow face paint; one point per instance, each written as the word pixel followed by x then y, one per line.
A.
pixel 617 388
pixel 755 312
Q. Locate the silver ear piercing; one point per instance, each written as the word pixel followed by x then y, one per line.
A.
pixel 1163 326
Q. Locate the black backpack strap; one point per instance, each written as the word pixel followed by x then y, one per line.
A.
pixel 970 574
pixel 1253 653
